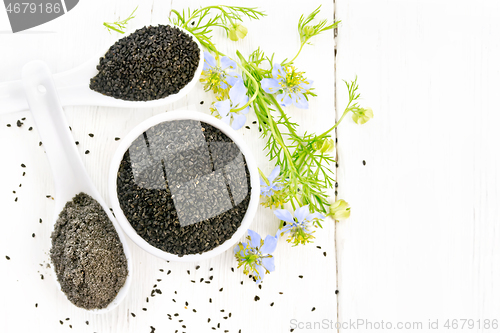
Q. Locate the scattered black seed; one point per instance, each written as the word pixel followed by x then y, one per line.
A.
pixel 8 125
pixel 15 199
pixel 24 174
pixel 336 292
pixel 301 276
pixel 211 277
pixel 207 282
pixel 254 122
pixel 222 310
pixel 36 305
pixel 48 196
pixel 336 184
pixel 201 280
pixel 247 127
pixel 197 267
pixel 211 269
pixel 336 165
pixel 319 247
pixel 272 304
pixel 174 300
pixel 210 300
pixel 87 151
pixel 176 314
pixel 313 309
pixel 153 182
pixel 19 123
pixel 193 281
pixel 229 314
pixel 23 165
pixel 260 129
pixel 256 298
pixel 161 269
pixel 87 322
pixel 152 329
pixel 169 271
pixel 224 317
pixel 208 320
pixel 14 192
pixel 218 325
pixel 144 309
pixel 41 276
pixel 61 322
pixel 201 102
pixel 70 128
pixel 159 280
pixel 67 319
pixel 33 235
pixel 30 129
pixel 194 310
pixel 70 326
pixel 154 286
pixel 221 289
pixel 241 282
pixel 158 291
pixel 281 293
pixel 364 162
pixel 147 300
pixel 7 257
pixel 324 253
pixel 232 269
pixel 336 193
pixel 188 272
pixel 40 143
pixel 91 135
pixel 88 256
pixel 77 143
pixel 151 63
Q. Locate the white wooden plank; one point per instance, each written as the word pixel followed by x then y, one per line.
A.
pixel 73 39
pixel 422 240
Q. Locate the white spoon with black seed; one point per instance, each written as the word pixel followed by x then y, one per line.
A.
pixel 73 86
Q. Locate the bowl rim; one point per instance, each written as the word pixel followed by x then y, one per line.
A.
pixel 183 115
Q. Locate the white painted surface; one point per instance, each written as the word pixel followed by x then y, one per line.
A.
pixel 69 41
pixel 423 239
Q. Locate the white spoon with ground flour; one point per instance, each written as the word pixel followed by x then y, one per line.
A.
pixel 89 252
pixel 141 61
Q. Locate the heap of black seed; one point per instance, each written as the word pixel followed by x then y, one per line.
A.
pixel 151 63
pixel 170 215
pixel 88 256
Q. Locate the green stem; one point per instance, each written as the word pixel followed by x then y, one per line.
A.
pixel 300 49
pixel 336 124
pixel 107 25
pixel 255 84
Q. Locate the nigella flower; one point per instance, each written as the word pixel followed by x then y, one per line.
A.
pixel 268 185
pixel 291 85
pixel 218 74
pixel 298 226
pixel 255 256
pixel 226 108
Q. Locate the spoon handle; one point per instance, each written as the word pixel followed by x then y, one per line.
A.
pixel 65 161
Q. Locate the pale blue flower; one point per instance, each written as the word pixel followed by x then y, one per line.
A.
pixel 298 226
pixel 268 188
pixel 237 98
pixel 219 77
pixel 290 85
pixel 255 256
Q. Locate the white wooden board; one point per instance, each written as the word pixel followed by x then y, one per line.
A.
pixel 65 43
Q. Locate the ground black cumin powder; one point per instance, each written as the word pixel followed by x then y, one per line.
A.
pixel 87 254
pixel 151 63
pixel 184 186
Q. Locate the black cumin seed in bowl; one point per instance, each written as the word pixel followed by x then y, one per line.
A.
pixel 151 63
pixel 184 186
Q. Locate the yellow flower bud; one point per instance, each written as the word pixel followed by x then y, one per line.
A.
pixel 361 116
pixel 237 32
pixel 327 146
pixel 340 210
pixel 308 31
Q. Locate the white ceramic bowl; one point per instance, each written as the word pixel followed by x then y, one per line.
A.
pixel 184 115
